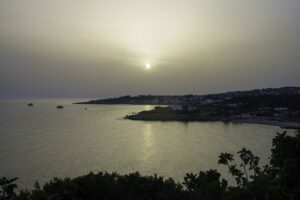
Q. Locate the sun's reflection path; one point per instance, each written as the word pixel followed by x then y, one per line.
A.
pixel 148 148
pixel 148 107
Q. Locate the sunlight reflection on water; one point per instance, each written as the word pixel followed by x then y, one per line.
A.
pixel 37 143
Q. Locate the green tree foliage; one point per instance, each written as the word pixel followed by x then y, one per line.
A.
pixel 7 188
pixel 285 162
pixel 206 185
pixel 280 180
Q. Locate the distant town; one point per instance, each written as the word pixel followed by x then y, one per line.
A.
pixel 267 106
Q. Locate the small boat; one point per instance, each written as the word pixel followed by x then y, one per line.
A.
pixel 30 104
pixel 60 107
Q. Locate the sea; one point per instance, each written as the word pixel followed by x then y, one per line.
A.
pixel 41 142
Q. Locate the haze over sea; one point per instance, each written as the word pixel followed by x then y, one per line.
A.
pixel 40 142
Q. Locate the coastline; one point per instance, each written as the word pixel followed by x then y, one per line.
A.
pixel 281 124
pixel 144 116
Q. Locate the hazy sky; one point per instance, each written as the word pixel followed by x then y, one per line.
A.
pixel 99 48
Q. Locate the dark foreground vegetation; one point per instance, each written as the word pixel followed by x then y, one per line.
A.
pixel 278 180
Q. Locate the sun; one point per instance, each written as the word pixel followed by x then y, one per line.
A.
pixel 147 66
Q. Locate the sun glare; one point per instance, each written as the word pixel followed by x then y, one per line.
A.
pixel 148 66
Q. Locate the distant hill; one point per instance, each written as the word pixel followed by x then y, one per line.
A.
pixel 196 99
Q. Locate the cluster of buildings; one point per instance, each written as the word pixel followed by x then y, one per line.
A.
pixel 278 103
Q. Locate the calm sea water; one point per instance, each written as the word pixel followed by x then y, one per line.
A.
pixel 40 142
